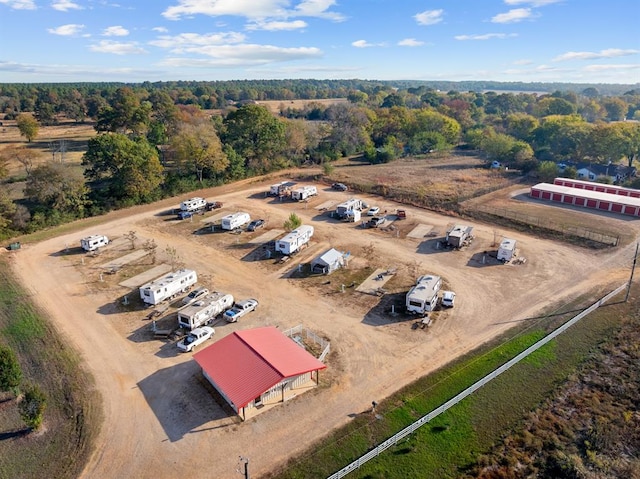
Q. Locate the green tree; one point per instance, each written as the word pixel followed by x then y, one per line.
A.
pixel 130 168
pixel 10 370
pixel 32 406
pixel 553 106
pixel 521 125
pixel 56 187
pixel 199 146
pixel 28 126
pixel 547 171
pixel 616 108
pixel 125 113
pixel 429 120
pixel 293 222
pixel 255 134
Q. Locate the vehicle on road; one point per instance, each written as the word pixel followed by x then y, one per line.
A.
pixel 339 187
pixel 240 309
pixel 195 294
pixel 195 338
pixel 374 210
pixel 448 299
pixel 255 224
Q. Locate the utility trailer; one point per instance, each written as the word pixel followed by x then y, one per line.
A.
pixel 295 240
pixel 204 310
pixel 168 286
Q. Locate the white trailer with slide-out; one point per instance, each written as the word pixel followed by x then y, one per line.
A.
pixel 168 286
pixel 295 240
pixel 204 310
pixel 423 297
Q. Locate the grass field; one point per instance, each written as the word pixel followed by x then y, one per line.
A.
pixel 451 443
pixel 72 418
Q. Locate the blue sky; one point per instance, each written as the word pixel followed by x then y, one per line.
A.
pixel 585 41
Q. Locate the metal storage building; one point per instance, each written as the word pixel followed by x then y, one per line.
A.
pixel 600 187
pixel 601 201
pixel 328 262
pixel 257 367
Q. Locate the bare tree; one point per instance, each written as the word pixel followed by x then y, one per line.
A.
pixel 150 246
pixel 174 258
pixel 132 237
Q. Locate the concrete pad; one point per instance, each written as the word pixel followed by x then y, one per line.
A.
pixel 374 282
pixel 126 259
pixel 420 231
pixel 326 205
pixel 215 218
pixel 267 236
pixel 147 276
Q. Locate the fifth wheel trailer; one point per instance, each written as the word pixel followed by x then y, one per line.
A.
pixel 168 286
pixel 204 310
pixel 292 242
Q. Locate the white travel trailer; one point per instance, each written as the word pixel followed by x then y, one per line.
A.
pixel 350 205
pixel 235 220
pixel 204 310
pixel 507 250
pixel 304 192
pixel 280 189
pixel 193 204
pixel 459 236
pixel 93 242
pixel 168 286
pixel 292 242
pixel 423 297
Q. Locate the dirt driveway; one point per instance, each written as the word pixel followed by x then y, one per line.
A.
pixel 160 421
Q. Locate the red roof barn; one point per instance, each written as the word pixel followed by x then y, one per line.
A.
pixel 257 367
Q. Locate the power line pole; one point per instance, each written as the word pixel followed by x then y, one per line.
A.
pixel 633 268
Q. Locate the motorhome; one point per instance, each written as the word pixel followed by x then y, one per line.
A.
pixel 93 242
pixel 423 297
pixel 193 204
pixel 295 240
pixel 168 286
pixel 507 250
pixel 350 205
pixel 303 193
pixel 204 310
pixel 235 220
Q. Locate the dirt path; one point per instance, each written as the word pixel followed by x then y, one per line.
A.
pixel 159 419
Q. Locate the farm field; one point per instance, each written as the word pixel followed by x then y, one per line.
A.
pixel 373 353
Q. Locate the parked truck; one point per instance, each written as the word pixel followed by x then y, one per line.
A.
pixel 423 297
pixel 204 310
pixel 168 286
pixel 295 240
pixel 235 220
pixel 303 193
pixel 348 206
pixel 93 242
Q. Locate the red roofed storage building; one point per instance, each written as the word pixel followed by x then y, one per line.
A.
pixel 257 367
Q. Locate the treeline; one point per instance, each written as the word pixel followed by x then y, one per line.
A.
pixel 157 139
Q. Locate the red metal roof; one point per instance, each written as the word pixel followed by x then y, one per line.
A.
pixel 247 363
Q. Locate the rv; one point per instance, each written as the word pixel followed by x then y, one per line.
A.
pixel 459 236
pixel 423 297
pixel 294 240
pixel 507 250
pixel 280 189
pixel 234 221
pixel 193 204
pixel 92 243
pixel 304 192
pixel 352 216
pixel 168 286
pixel 204 310
pixel 350 205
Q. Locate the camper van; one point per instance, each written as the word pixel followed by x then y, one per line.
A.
pixel 235 221
pixel 295 240
pixel 92 243
pixel 303 193
pixel 423 297
pixel 168 286
pixel 193 204
pixel 507 250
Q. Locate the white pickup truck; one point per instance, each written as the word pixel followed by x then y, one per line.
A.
pixel 240 309
pixel 195 338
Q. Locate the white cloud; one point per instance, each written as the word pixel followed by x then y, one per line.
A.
pixel 363 44
pixel 410 42
pixel 600 68
pixel 19 4
pixel 66 30
pixel 513 16
pixel 522 62
pixel 608 53
pixel 277 26
pixel 533 3
pixel 186 40
pixel 65 5
pixel 241 55
pixel 72 71
pixel 253 9
pixel 485 36
pixel 117 48
pixel 115 31
pixel 429 17
pixel 160 29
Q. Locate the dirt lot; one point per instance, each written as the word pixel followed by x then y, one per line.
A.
pixel 160 420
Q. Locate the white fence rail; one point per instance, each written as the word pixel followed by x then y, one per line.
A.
pixel 392 441
pixel 297 332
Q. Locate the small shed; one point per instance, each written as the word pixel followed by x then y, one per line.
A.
pixel 328 262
